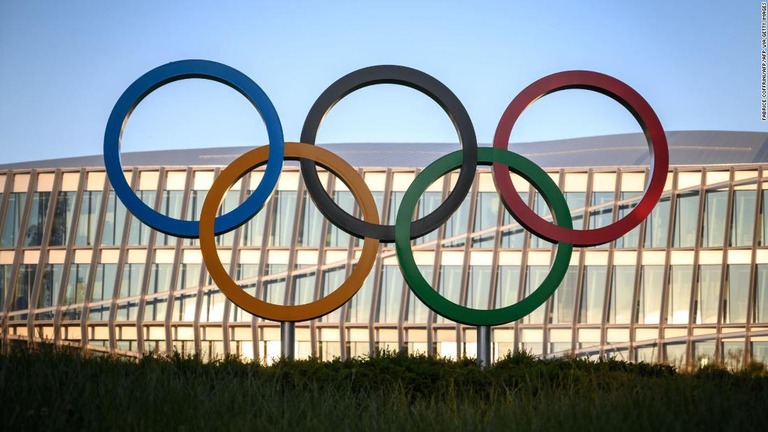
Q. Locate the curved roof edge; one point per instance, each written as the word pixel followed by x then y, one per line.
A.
pixel 686 148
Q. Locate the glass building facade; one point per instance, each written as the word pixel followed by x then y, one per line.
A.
pixel 687 286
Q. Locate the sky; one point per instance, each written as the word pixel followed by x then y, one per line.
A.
pixel 65 64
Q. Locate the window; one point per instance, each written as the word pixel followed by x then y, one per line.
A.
pixel 63 214
pixel 742 226
pixel 282 218
pixel 274 288
pixel 170 205
pixel 592 295
pixel 576 203
pixel 428 202
pixel 335 236
pixel 359 307
pixel 24 284
pixel 159 281
pixel 75 291
pixel 479 287
pixel 761 294
pixel 601 216
pixel 139 233
pixel 650 295
pixel 686 220
pixel 449 285
pixel 736 296
pixel 213 306
pixel 622 291
pixel 630 239
pixel 715 209
pixel 253 229
pixel 564 299
pixel 49 290
pixel 708 294
pixel 456 226
pixel 12 221
pixel 390 291
pixel 657 225
pixel 332 279
pixel 512 237
pixel 416 311
pixel 311 224
pixel 33 235
pixel 5 283
pixel 486 216
pixel 103 289
pixel 507 285
pixel 534 277
pixel 246 277
pixel 679 294
pixel 541 209
pixel 114 221
pixel 88 220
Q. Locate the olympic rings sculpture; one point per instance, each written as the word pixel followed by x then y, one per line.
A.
pixel 501 160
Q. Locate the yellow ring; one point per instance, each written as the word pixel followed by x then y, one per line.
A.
pixel 270 311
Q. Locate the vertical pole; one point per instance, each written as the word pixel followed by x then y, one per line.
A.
pixel 287 339
pixel 484 346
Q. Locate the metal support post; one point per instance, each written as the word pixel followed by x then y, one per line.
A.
pixel 287 340
pixel 484 346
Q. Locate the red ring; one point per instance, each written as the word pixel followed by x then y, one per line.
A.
pixel 635 104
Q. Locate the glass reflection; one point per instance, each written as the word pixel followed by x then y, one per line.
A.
pixel 686 220
pixel 428 202
pixel 705 308
pixel 650 295
pixel 139 233
pixel 170 205
pixel 332 279
pixel 311 224
pixel 622 291
pixel 114 221
pixel 715 209
pixel 24 284
pixel 479 287
pixel 103 289
pixel 632 238
pixel 657 225
pixel 736 296
pixel 761 294
pixel 534 277
pixel 486 217
pixel 49 290
pixel 593 294
pixel 283 214
pixel 63 214
pixel 507 285
pixel 14 211
pixel 88 219
pixel 390 291
pixel 742 226
pixel 335 237
pixel 74 293
pixel 36 223
pixel 679 294
pixel 416 311
pixel 359 307
pixel 564 299
pixel 513 237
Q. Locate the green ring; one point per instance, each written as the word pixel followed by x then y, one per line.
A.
pixel 424 291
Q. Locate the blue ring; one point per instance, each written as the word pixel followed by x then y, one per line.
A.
pixel 169 73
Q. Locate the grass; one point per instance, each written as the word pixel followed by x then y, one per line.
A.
pixel 52 389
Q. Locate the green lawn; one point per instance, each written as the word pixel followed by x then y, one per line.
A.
pixel 56 390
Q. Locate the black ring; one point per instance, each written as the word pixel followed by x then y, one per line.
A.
pixel 415 79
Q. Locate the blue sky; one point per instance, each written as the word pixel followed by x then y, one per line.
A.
pixel 64 64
